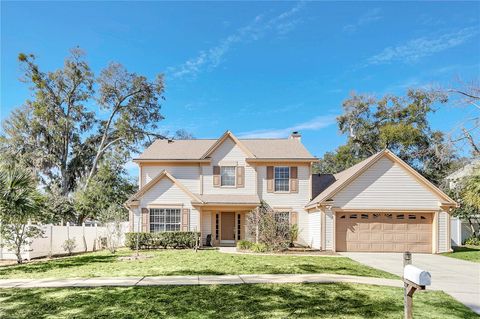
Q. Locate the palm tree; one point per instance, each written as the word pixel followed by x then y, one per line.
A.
pixel 20 203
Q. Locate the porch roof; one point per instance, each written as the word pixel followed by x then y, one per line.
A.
pixel 221 199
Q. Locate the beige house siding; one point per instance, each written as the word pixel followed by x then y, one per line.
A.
pixel 386 185
pixel 295 201
pixel 329 230
pixel 443 233
pixel 166 194
pixel 206 225
pixel 314 229
pixel 228 154
pixel 137 221
pixel 188 175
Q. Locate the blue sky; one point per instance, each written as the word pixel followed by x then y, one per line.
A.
pixel 259 69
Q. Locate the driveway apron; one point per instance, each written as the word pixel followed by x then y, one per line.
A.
pixel 458 278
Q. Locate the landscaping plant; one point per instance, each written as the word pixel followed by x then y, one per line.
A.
pixel 21 207
pixel 244 245
pixel 269 228
pixel 112 218
pixel 69 245
pixel 174 239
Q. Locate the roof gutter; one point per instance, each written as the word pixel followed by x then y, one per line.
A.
pixel 175 160
pixel 282 160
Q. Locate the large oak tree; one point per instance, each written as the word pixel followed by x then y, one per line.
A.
pixel 400 124
pixel 75 120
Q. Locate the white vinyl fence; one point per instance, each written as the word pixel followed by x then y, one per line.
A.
pixel 87 238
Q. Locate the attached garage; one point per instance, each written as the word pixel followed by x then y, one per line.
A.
pixel 384 232
pixel 381 205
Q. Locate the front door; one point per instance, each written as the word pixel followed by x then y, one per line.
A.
pixel 228 227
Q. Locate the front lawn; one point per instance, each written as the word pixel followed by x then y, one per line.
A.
pixel 470 253
pixel 224 301
pixel 186 262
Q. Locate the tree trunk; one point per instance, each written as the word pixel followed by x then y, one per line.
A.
pixel 18 252
pixel 472 227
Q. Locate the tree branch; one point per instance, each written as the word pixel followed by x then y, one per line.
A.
pixel 468 136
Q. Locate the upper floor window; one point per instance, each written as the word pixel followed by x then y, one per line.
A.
pixel 227 176
pixel 164 219
pixel 282 178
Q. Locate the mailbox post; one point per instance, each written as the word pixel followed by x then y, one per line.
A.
pixel 414 279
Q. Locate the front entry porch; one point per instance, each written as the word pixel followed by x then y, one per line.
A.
pixel 223 226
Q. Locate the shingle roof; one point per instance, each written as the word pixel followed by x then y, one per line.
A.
pixel 195 149
pixel 177 149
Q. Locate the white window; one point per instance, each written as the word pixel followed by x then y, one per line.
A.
pixel 164 219
pixel 227 175
pixel 282 178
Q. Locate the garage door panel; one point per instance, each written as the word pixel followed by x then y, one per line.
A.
pixel 413 237
pixel 399 227
pixel 376 236
pixel 388 237
pixel 424 237
pixel 387 226
pixel 384 232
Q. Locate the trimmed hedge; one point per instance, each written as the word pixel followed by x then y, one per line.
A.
pixel 177 239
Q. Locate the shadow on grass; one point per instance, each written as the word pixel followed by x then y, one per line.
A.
pixel 61 263
pixel 168 262
pixel 241 301
pixel 466 249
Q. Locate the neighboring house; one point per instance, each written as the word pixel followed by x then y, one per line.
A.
pixel 209 185
pixel 462 229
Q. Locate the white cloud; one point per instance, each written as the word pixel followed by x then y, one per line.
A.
pixel 370 16
pixel 418 48
pixel 311 125
pixel 253 31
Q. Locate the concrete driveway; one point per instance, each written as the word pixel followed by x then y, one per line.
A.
pixel 458 278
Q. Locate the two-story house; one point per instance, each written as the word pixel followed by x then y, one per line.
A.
pixel 210 185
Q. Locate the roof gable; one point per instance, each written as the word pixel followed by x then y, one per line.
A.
pixel 346 177
pixel 163 174
pixel 222 139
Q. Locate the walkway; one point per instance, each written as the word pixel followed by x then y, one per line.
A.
pixel 196 280
pixel 458 278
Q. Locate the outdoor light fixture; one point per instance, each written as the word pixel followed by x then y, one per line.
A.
pixel 329 204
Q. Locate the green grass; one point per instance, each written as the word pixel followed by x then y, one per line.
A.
pixel 470 253
pixel 235 301
pixel 186 262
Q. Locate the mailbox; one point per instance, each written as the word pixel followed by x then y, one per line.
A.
pixel 417 276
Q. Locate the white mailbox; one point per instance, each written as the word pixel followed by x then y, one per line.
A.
pixel 417 275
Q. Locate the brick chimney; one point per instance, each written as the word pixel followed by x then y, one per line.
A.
pixel 296 136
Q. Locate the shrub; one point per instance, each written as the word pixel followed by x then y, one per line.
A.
pixel 472 241
pixel 269 227
pixel 178 239
pixel 69 245
pixel 244 245
pixel 103 242
pixel 259 248
pixel 293 234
